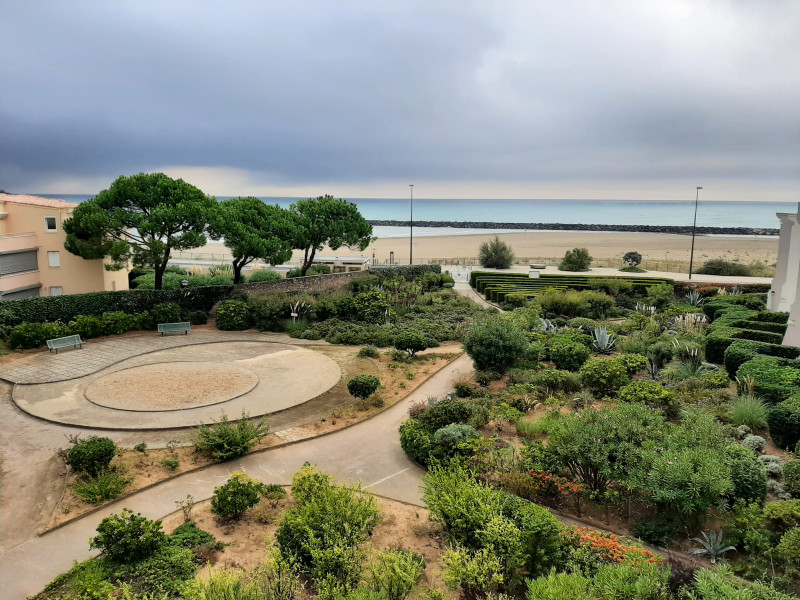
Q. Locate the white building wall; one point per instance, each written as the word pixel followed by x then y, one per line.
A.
pixel 784 296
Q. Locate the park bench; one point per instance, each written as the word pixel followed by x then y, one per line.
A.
pixel 538 266
pixel 174 328
pixel 65 342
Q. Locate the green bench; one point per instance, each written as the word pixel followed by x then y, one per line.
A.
pixel 174 328
pixel 65 342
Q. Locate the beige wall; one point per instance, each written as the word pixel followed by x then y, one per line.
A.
pixel 74 275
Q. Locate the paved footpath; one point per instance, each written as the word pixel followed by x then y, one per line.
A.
pixel 369 451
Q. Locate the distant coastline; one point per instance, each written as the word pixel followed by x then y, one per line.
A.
pixel 674 229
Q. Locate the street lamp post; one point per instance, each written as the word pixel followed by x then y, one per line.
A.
pixel 411 241
pixel 694 226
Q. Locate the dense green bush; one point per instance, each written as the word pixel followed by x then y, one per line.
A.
pixel 117 323
pixel 789 547
pixel 263 275
pixel 87 326
pixel 560 586
pixel 233 315
pixel 446 412
pixel 127 536
pixel 395 572
pixel 65 308
pixel 106 485
pixel 91 456
pixel 775 379
pixel 410 342
pixel 782 515
pixel 577 259
pixel 660 295
pixel 415 440
pixel 322 534
pixel 319 269
pixel 236 496
pixel 166 312
pixel 650 393
pixel 363 386
pixel 574 303
pixel 566 354
pixel 495 254
pixel 445 441
pixel 633 363
pixel 791 477
pixel 267 309
pixel 494 344
pixel 748 475
pixel 225 440
pixel 784 423
pixel 555 380
pixel 720 266
pixel 603 377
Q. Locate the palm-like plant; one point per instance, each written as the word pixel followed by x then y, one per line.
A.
pixel 712 545
pixel 603 341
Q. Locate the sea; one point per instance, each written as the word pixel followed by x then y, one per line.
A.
pixel 596 212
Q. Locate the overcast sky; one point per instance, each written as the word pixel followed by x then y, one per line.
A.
pixel 631 99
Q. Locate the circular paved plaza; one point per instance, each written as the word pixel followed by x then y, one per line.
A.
pixel 185 385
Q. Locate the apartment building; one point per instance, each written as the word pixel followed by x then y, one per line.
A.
pixel 33 261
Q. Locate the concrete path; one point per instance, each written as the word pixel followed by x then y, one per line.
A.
pixel 465 289
pixel 369 451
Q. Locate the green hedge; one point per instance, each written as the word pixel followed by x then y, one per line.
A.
pixel 66 308
pixel 749 301
pixel 740 351
pixel 776 379
pixel 407 271
pixel 756 325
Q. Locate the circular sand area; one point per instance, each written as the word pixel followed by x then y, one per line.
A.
pixel 171 386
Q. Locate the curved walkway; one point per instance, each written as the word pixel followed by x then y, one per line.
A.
pixel 369 451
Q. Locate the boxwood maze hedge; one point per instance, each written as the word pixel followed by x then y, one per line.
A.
pixel 496 286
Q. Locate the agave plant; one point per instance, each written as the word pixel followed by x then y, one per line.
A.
pixel 548 326
pixel 603 341
pixel 653 368
pixel 694 298
pixel 711 545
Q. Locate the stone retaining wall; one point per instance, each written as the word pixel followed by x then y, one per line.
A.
pixel 315 283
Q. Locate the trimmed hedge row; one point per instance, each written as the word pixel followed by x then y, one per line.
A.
pixel 65 308
pixel 733 320
pixel 776 379
pixel 757 325
pixel 740 351
pixel 407 271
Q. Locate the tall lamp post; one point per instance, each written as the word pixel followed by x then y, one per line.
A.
pixel 411 241
pixel 694 226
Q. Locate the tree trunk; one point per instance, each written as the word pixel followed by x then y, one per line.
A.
pixel 159 283
pixel 308 260
pixel 237 271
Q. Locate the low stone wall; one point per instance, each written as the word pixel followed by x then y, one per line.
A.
pixel 315 283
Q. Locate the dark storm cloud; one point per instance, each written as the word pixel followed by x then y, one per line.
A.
pixel 365 91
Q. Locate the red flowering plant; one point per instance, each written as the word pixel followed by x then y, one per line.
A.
pixel 589 548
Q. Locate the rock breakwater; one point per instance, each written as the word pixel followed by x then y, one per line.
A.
pixel 678 229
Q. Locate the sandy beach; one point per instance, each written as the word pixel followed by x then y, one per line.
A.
pixel 659 251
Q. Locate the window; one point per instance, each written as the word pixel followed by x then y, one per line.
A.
pixel 54 259
pixel 50 224
pixel 56 290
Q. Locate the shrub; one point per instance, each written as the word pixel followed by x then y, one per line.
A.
pixel 632 259
pixel 493 343
pixel 309 483
pixel 263 275
pixel 660 295
pixel 789 547
pixel 720 266
pixel 660 353
pixel 577 259
pixel 127 536
pixel 748 410
pixel 791 476
pixel 444 413
pixel 226 440
pixel 166 312
pixel 371 307
pixel 238 495
pixel 363 386
pixel 756 443
pixel 784 423
pixel 603 377
pixel 233 315
pixel 117 323
pixel 748 474
pixel 647 581
pixel 171 463
pixel 560 586
pixel 87 326
pixel 91 456
pixel 782 515
pixel 566 354
pixel 410 342
pixel 162 574
pixel 274 493
pixel 415 440
pixel 394 573
pixel 633 363
pixel 106 485
pixel 446 440
pixel 368 352
pixel 650 393
pixel 495 254
pixel 198 317
pixel 555 380
pixel 33 335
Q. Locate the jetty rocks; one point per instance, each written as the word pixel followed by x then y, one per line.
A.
pixel 679 229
